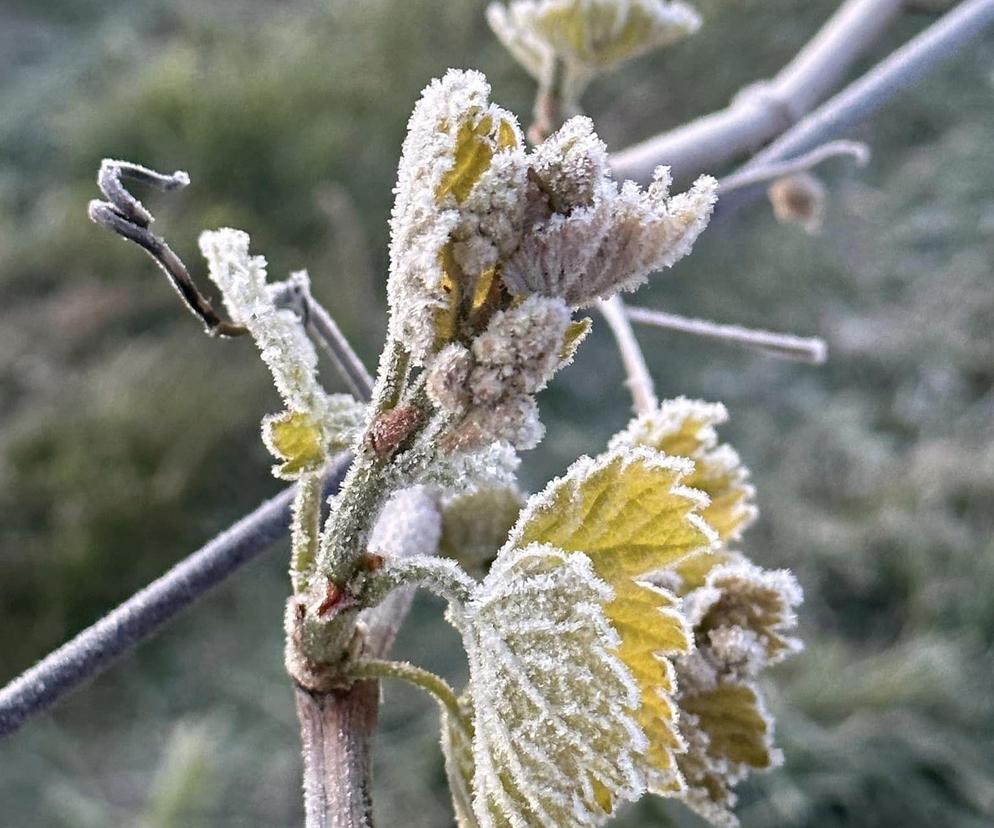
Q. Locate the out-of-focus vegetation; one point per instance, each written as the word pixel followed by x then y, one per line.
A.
pixel 127 437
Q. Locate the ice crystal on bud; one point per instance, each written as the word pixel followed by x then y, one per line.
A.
pixel 315 423
pixel 488 387
pixel 409 524
pixel 587 36
pixel 612 244
pixel 741 616
pixel 566 170
pixel 458 207
pixel 278 333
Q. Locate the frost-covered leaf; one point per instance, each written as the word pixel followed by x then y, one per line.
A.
pixel 293 438
pixel 590 36
pixel 304 442
pixel 277 332
pixel 555 738
pixel 686 428
pixel 741 616
pixel 614 243
pixel 628 511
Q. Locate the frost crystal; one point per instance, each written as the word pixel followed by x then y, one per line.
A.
pixel 278 333
pixel 686 428
pixel 588 36
pixel 477 221
pixel 408 525
pixel 489 388
pixel 629 512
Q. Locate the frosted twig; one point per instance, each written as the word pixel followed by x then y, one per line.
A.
pixel 94 649
pixel 127 216
pixel 764 110
pixel 639 380
pixel 322 327
pixel 786 346
pixel 858 151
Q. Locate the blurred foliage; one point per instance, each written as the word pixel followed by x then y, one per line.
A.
pixel 127 437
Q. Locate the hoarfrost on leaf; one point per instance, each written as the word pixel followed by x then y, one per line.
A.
pixel 741 616
pixel 612 244
pixel 630 513
pixel 686 428
pixel 555 741
pixel 457 208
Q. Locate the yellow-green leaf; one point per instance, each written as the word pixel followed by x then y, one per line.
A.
pixel 294 438
pixel 473 153
pixel 686 428
pixel 628 512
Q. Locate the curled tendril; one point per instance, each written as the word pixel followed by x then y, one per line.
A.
pixel 128 217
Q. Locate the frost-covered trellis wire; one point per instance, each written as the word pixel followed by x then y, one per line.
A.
pixel 750 120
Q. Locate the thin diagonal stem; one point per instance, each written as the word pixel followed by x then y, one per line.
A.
pixel 766 109
pixel 428 681
pixel 856 150
pixel 322 327
pixel 639 380
pixel 862 98
pixel 786 346
pixel 143 614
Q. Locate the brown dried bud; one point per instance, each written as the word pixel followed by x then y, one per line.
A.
pixel 798 199
pixel 391 428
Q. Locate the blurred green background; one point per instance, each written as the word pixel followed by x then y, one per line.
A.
pixel 127 438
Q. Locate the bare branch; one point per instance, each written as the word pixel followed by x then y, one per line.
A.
pixel 143 614
pixel 639 380
pixel 858 151
pixel 127 216
pixel 861 99
pixel 322 327
pixel 764 110
pixel 786 346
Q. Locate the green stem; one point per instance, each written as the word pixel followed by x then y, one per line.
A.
pixel 364 489
pixel 305 530
pixel 434 685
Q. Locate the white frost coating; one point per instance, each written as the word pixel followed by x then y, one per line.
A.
pixel 552 702
pixel 585 467
pixel 409 524
pixel 614 243
pixel 278 333
pixel 589 36
pixel 423 223
pixel 489 388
